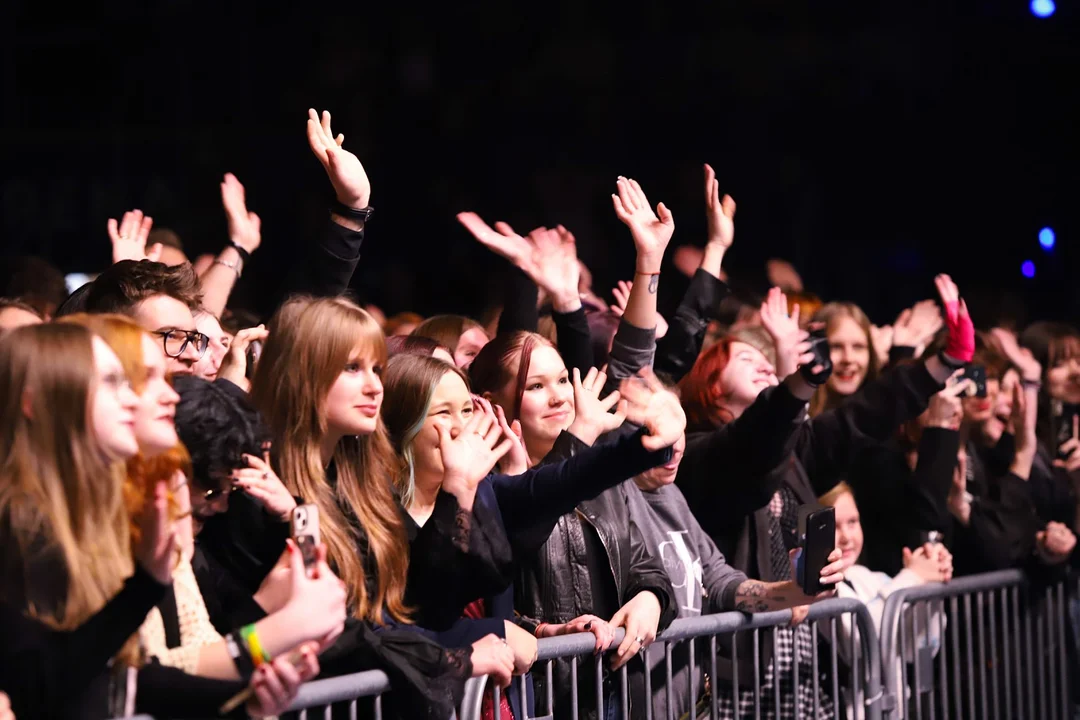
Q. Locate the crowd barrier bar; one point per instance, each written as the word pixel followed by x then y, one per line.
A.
pixel 349 689
pixel 1012 662
pixel 688 630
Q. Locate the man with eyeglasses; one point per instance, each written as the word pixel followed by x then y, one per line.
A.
pixel 161 299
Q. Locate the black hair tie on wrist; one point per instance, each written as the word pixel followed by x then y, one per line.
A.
pixel 340 208
pixel 244 254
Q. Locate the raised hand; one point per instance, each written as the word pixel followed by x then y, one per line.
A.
pixel 129 238
pixel 517 458
pixel 959 499
pixel 548 257
pixel 651 231
pixel 945 409
pixel 234 366
pixel 961 344
pixel 470 455
pixel 654 407
pixel 317 600
pixel 622 297
pixel 792 342
pixel 245 228
pixel 882 340
pixel 719 213
pixel 261 482
pixel 1025 362
pixel 1070 449
pixel 917 326
pixel 640 617
pixel 346 174
pixel 1055 544
pixel 592 416
pixel 158 540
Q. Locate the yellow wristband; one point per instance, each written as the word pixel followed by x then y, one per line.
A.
pixel 255 648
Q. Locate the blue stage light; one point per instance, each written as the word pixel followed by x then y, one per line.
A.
pixel 1028 269
pixel 1042 8
pixel 1046 238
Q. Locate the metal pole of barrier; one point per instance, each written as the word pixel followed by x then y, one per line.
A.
pixel 969 629
pixel 496 696
pixel 472 701
pixel 835 663
pixel 776 670
pixel 624 692
pixel 794 672
pixel 943 662
pixel 693 674
pixel 916 656
pixel 669 690
pixel 995 666
pixel 352 709
pixel 713 710
pixel 1040 648
pixel 816 671
pixel 980 627
pixel 856 669
pixel 1019 675
pixel 757 679
pixel 551 682
pixel 648 684
pixel 599 664
pixel 1063 661
pixel 902 699
pixel 1006 655
pixel 573 687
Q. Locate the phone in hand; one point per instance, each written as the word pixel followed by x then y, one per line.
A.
pixel 977 375
pixel 253 352
pixel 305 532
pixel 817 537
pixel 1064 425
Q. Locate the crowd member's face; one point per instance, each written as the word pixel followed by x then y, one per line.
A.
pixel 663 475
pixel 155 415
pixel 161 313
pixel 451 408
pixel 850 351
pixel 1063 381
pixel 353 403
pixel 14 317
pixel 995 426
pixel 207 367
pixel 746 374
pixel 849 536
pixel 547 403
pixel 469 344
pixel 112 405
pixel 207 503
pixel 979 411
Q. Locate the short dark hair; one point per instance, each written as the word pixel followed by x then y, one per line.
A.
pixel 217 426
pixel 36 282
pixel 127 283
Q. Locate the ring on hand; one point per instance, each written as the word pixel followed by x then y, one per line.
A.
pixel 640 640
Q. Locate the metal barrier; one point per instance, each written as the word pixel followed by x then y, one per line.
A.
pixel 1006 661
pixel 687 631
pixel 345 691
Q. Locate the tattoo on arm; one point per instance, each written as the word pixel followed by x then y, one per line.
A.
pixel 758 596
pixel 654 281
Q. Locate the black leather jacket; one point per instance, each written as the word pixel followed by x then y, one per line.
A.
pixel 553 586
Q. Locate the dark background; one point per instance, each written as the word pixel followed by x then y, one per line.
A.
pixel 871 144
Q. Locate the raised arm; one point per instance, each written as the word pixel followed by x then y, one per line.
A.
pixel 245 236
pixel 328 266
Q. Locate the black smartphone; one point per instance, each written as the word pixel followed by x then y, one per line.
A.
pixel 817 534
pixel 253 352
pixel 819 346
pixel 1063 427
pixel 977 375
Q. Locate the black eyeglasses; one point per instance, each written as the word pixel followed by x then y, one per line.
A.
pixel 175 342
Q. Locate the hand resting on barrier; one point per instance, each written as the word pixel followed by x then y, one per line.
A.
pixel 758 596
pixel 603 630
pixel 491 655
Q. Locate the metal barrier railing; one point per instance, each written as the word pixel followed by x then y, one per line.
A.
pixel 322 697
pixel 1006 660
pixel 687 631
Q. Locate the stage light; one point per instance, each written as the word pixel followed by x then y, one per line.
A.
pixel 1028 269
pixel 1042 8
pixel 1046 238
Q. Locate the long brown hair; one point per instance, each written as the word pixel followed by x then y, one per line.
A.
pixel 409 383
pixel 310 343
pixel 503 361
pixel 56 485
pixel 831 314
pixel 446 329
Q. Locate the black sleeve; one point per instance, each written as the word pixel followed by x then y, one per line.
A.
pixel 327 267
pixel 228 603
pixel 900 353
pixel 519 304
pixel 245 540
pixel 575 340
pixel 827 444
pixel 729 470
pixel 167 692
pixel 677 351
pixel 632 350
pixel 39 661
pixel 455 558
pixel 647 574
pixel 999 458
pixel 929 484
pixel 531 503
pixel 1001 532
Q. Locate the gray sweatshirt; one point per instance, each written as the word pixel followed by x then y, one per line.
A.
pixel 702 579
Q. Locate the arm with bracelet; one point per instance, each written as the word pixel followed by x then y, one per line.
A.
pixel 245 235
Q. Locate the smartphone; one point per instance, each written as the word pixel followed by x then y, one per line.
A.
pixel 1063 427
pixel 819 346
pixel 253 352
pixel 977 375
pixel 817 536
pixel 305 532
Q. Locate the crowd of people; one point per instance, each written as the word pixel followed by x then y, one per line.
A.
pixel 568 465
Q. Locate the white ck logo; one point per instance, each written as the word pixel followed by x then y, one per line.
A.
pixel 689 583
